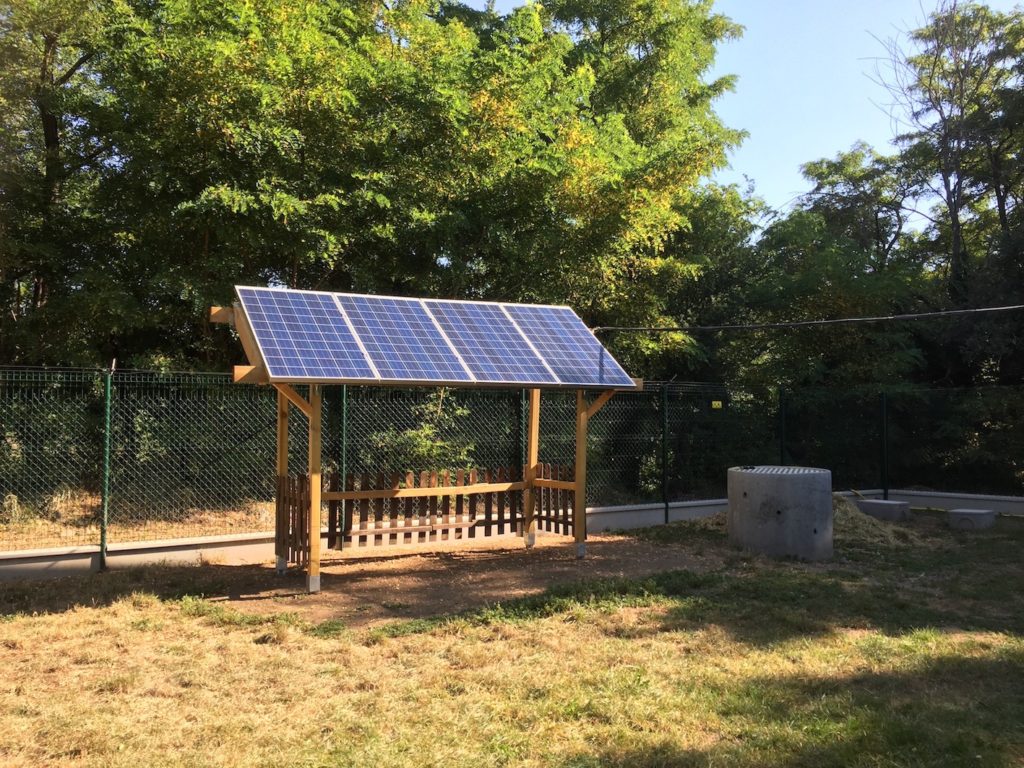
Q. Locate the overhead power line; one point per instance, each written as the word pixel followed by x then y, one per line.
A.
pixel 806 323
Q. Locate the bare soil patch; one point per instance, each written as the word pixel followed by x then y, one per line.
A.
pixel 363 587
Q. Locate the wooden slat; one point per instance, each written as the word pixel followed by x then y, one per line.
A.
pixel 364 510
pixel 394 515
pixel 492 517
pixel 333 542
pixel 349 507
pixel 564 485
pixel 425 528
pixel 446 503
pixel 432 506
pixel 504 501
pixel 460 501
pixel 378 505
pixel 564 495
pixel 402 493
pixel 471 501
pixel 408 503
pixel 421 517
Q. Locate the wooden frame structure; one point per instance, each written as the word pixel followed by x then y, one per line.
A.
pixel 312 499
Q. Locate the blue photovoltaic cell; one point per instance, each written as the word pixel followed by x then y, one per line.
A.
pixel 303 335
pixel 402 340
pixel 489 343
pixel 311 336
pixel 568 346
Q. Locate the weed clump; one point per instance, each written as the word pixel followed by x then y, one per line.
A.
pixel 850 526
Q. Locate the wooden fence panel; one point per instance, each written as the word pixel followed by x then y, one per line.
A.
pixel 416 520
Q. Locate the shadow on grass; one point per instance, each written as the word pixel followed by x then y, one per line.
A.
pixel 166 582
pixel 952 710
pixel 760 605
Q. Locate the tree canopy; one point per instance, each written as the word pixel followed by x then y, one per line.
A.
pixel 160 152
pixel 153 154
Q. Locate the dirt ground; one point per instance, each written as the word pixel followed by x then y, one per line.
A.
pixel 365 587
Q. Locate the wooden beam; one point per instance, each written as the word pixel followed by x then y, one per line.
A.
pixel 599 403
pixel 250 374
pixel 222 315
pixel 296 399
pixel 315 489
pixel 281 520
pixel 561 485
pixel 412 493
pixel 381 529
pixel 579 510
pixel 531 469
pixel 245 335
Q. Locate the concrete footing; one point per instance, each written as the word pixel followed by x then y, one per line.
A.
pixel 531 540
pixel 581 551
pixel 971 519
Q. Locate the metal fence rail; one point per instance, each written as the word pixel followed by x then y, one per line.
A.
pixel 140 456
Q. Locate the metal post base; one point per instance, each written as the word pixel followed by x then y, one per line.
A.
pixel 581 550
pixel 312 583
pixel 531 540
pixel 281 567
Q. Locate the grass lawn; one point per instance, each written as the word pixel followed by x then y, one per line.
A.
pixel 906 650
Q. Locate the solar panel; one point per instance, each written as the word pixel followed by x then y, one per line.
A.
pixel 568 347
pixel 402 340
pixel 314 336
pixel 302 335
pixel 489 342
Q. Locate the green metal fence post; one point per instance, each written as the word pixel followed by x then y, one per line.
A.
pixel 664 448
pixel 344 435
pixel 105 514
pixel 782 426
pixel 884 442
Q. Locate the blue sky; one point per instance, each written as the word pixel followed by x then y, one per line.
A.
pixel 805 88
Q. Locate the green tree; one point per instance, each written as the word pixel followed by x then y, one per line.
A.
pixel 409 147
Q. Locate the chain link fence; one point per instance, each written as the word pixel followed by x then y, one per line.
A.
pixel 193 454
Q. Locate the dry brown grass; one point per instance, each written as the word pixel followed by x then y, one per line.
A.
pixel 736 661
pixel 71 518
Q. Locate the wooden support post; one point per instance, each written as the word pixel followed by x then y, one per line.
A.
pixel 315 483
pixel 530 470
pixel 579 510
pixel 281 527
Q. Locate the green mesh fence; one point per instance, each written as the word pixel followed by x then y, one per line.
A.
pixel 711 428
pixel 51 458
pixel 836 430
pixel 959 441
pixel 193 454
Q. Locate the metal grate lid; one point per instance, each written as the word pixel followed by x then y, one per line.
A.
pixel 774 470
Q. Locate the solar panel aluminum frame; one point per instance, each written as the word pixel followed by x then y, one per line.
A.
pixel 474 383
